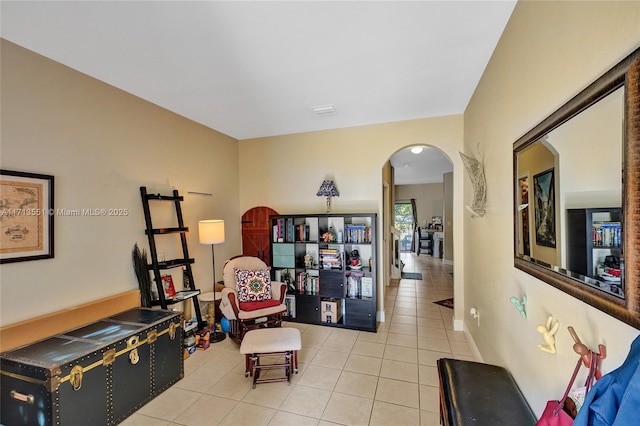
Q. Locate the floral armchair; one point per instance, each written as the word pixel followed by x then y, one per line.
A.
pixel 250 299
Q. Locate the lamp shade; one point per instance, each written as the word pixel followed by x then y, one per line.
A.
pixel 327 189
pixel 211 231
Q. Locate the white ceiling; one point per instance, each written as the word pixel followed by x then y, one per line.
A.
pixel 425 167
pixel 255 68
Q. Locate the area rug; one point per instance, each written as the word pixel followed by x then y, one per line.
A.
pixel 447 303
pixel 411 276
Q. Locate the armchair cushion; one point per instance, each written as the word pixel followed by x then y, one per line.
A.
pixel 254 306
pixel 253 285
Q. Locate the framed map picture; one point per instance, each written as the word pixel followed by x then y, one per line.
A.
pixel 26 216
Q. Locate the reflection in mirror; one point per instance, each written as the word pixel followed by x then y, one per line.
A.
pixel 570 184
pixel 576 179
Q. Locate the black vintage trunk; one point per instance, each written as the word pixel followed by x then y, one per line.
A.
pixel 97 374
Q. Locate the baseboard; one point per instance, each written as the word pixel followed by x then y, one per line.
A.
pixel 472 344
pixel 458 325
pixel 34 329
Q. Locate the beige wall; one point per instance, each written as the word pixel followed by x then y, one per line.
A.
pixel 536 159
pixel 448 225
pixel 429 199
pixel 548 53
pixel 433 199
pixel 102 144
pixel 284 172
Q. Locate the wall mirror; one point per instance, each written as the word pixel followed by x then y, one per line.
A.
pixel 577 195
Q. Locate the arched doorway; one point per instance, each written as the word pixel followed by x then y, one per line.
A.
pixel 425 180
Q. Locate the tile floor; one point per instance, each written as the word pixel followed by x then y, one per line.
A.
pixel 346 377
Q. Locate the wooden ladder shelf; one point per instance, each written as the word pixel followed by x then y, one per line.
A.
pixel 185 262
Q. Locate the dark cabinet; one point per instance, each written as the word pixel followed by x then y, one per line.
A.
pixel 307 308
pixel 360 314
pixel 331 262
pixel 424 241
pixel 332 284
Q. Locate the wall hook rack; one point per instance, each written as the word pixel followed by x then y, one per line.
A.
pixel 586 353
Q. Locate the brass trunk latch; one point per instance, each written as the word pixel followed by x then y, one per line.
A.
pixel 133 355
pixel 75 377
pixel 172 330
pixel 152 336
pixel 109 357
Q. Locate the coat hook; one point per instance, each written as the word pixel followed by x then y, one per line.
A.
pixel 519 304
pixel 584 351
pixel 548 331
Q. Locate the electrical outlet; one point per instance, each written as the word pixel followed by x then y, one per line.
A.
pixel 475 314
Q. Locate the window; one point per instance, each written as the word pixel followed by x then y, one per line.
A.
pixel 404 224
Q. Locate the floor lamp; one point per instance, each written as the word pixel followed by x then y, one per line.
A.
pixel 212 232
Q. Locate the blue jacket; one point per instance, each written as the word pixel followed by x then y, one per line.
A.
pixel 615 399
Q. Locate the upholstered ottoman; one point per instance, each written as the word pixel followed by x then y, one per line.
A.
pixel 280 341
pixel 478 394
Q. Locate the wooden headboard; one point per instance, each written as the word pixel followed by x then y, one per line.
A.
pixel 34 329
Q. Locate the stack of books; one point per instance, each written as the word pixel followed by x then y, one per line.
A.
pixel 330 258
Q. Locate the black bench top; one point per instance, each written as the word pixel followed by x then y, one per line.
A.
pixel 474 393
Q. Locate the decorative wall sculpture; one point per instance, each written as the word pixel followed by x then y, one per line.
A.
pixel 475 169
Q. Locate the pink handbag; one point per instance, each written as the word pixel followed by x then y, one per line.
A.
pixel 554 413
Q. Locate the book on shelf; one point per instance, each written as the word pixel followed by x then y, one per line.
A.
pixel 312 284
pixel 330 258
pixel 279 230
pixel 367 286
pixel 354 284
pixel 607 234
pixel 185 294
pixel 290 303
pixel 302 232
pixel 167 285
pixel 302 282
pixel 357 234
pixel 289 230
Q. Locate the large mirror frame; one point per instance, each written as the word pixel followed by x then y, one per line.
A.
pixel 625 74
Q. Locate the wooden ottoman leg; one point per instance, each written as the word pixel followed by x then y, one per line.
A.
pixel 247 365
pixel 255 361
pixel 288 360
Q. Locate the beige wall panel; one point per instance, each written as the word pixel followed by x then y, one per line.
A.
pixel 102 144
pixel 547 54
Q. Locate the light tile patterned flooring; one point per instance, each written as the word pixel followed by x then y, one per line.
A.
pixel 346 377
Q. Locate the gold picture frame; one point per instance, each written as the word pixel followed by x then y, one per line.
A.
pixel 26 216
